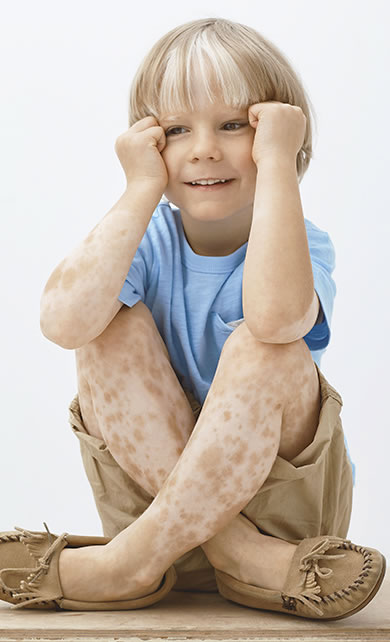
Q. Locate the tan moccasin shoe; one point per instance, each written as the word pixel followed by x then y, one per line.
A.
pixel 29 575
pixel 345 582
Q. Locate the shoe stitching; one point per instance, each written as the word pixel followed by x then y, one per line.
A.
pixel 309 565
pixel 10 538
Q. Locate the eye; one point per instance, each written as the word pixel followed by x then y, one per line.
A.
pixel 174 130
pixel 238 124
pixel 170 131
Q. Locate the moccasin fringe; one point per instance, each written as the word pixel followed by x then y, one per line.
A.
pixel 29 588
pixel 310 568
pixel 33 540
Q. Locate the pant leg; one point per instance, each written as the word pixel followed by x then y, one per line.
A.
pixel 310 495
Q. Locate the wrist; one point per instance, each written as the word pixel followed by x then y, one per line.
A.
pixel 276 160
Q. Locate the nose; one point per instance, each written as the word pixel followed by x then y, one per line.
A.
pixel 204 145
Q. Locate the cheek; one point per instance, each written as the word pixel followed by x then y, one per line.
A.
pixel 172 164
pixel 243 158
pixel 170 159
pixel 248 172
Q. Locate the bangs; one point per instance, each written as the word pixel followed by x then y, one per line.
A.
pixel 202 64
pixel 201 77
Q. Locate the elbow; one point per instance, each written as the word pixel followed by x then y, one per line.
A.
pixel 276 335
pixel 282 325
pixel 275 331
pixel 259 330
pixel 61 331
pixel 52 333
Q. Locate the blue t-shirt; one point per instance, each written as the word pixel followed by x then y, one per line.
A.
pixel 196 301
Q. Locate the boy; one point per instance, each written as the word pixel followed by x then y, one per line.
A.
pixel 209 434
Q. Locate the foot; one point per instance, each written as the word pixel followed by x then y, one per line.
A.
pixel 94 574
pixel 262 561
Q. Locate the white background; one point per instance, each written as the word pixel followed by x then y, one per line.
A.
pixel 65 76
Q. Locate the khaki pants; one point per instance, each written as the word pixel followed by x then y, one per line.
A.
pixel 308 496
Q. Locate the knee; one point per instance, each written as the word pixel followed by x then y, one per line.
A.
pixel 132 331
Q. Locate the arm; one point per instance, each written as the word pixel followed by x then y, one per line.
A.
pixel 81 296
pixel 279 301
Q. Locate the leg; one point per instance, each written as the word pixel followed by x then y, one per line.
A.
pixel 131 398
pixel 223 444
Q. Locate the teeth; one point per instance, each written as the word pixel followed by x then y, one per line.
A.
pixel 210 182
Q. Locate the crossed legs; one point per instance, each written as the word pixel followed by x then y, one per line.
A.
pixel 264 400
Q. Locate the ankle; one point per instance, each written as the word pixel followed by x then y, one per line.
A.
pixel 226 546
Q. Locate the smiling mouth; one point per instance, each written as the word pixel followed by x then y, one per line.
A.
pixel 211 188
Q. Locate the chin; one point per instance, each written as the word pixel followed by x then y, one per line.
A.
pixel 209 214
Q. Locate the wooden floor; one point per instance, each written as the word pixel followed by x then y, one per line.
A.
pixel 195 616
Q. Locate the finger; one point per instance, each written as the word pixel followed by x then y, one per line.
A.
pixel 253 117
pixel 145 123
pixel 158 135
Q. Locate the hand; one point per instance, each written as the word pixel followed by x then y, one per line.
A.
pixel 139 151
pixel 280 130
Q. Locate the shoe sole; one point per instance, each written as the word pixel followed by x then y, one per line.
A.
pixel 360 606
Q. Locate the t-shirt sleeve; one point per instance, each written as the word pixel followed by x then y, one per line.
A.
pixel 322 254
pixel 136 283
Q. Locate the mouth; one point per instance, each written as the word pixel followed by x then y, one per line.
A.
pixel 211 188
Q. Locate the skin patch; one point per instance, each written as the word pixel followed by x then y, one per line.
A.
pixel 138 435
pixel 115 441
pixel 155 372
pixel 153 388
pixel 238 457
pixel 230 439
pixel 255 411
pixel 139 420
pixel 267 433
pixel 206 463
pixel 225 499
pixel 254 460
pixel 129 446
pixel 110 419
pixel 174 428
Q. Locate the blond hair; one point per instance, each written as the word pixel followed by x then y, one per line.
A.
pixel 244 66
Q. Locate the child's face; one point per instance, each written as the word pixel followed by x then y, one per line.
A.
pixel 214 141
